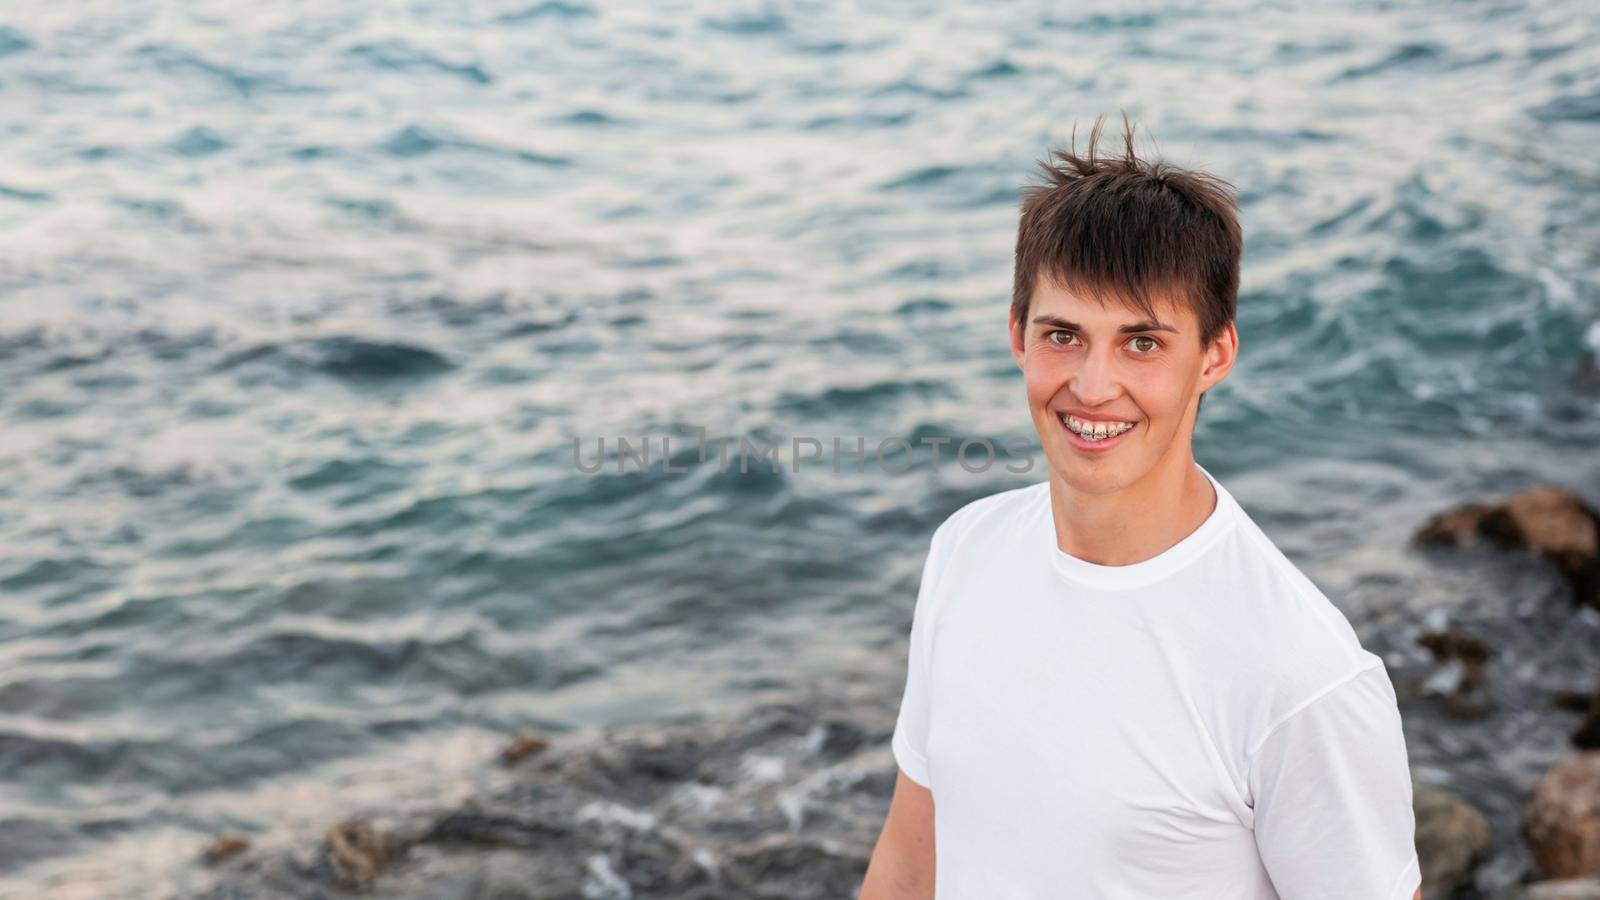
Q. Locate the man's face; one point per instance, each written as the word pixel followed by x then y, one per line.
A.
pixel 1110 366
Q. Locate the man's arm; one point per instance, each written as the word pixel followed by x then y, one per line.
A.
pixel 1331 789
pixel 902 864
pixel 1417 895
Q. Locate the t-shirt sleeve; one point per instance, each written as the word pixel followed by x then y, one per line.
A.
pixel 1331 791
pixel 910 740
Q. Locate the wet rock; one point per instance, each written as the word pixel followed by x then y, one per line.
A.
pixel 1459 680
pixel 524 746
pixel 1587 376
pixel 640 768
pixel 1587 737
pixel 1455 527
pixel 357 851
pixel 820 869
pixel 1573 701
pixel 1457 645
pixel 224 848
pixel 1452 839
pixel 650 862
pixel 836 739
pixel 1562 819
pixel 470 826
pixel 1553 522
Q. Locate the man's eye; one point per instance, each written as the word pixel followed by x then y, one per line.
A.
pixel 1064 338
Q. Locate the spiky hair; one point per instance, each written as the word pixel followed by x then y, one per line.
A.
pixel 1117 228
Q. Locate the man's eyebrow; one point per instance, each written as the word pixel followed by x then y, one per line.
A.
pixel 1125 329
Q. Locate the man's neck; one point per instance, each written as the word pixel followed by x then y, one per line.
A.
pixel 1136 523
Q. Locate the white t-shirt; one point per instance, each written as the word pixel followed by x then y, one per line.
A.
pixel 1202 724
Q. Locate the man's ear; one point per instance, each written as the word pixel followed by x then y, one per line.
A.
pixel 1016 336
pixel 1220 356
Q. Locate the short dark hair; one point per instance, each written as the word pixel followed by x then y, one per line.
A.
pixel 1124 229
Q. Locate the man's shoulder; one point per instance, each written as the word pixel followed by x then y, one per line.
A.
pixel 1302 637
pixel 1271 642
pixel 1263 553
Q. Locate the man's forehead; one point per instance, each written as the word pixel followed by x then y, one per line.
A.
pixel 1105 308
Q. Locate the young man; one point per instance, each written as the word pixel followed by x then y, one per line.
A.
pixel 1118 687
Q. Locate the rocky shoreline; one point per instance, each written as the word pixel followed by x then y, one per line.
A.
pixel 785 800
pixel 1559 820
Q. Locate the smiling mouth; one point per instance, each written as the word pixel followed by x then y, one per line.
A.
pixel 1098 435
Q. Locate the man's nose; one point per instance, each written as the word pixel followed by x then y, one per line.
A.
pixel 1095 381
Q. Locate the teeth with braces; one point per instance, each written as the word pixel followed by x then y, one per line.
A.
pixel 1096 431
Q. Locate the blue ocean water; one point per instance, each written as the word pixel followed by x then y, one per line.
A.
pixel 305 304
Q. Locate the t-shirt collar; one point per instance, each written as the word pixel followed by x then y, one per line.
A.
pixel 1133 575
